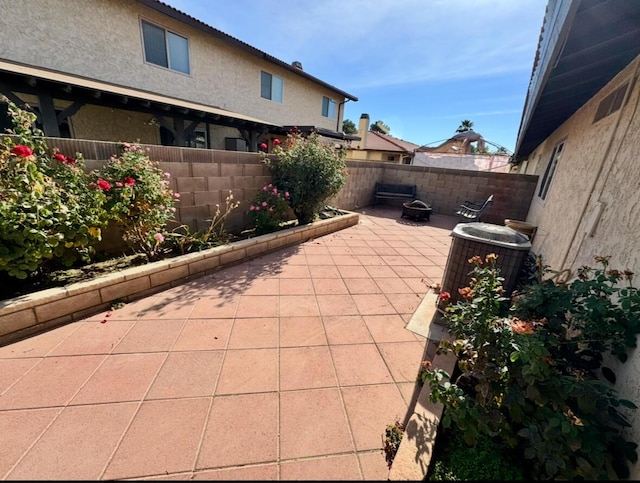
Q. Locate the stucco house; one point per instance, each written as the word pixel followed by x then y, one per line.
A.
pixel 379 147
pixel 115 69
pixel 579 134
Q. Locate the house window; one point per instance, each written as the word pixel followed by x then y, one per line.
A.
pixel 328 107
pixel 611 103
pixel 165 48
pixel 271 87
pixel 551 169
pixel 197 139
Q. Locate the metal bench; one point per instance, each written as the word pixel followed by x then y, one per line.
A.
pixel 389 191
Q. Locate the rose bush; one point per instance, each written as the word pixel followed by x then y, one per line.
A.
pixel 269 208
pixel 139 200
pixel 309 170
pixel 49 215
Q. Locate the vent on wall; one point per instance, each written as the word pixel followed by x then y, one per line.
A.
pixel 611 103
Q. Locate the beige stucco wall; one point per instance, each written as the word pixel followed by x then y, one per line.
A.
pixel 598 172
pixel 101 39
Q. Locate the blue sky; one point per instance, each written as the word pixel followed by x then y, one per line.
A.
pixel 420 66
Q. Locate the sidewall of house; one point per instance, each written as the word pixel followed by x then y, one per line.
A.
pixel 593 204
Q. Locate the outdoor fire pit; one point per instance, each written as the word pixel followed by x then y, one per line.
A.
pixel 416 209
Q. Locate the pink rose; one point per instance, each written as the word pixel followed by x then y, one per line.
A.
pixel 22 151
pixel 263 146
pixel 276 142
pixel 129 181
pixel 159 237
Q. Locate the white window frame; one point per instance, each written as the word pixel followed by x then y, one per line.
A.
pixel 275 88
pixel 168 35
pixel 329 107
pixel 550 170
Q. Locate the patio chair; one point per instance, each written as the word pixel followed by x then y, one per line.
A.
pixel 471 211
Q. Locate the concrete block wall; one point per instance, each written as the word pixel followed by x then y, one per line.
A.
pixel 204 178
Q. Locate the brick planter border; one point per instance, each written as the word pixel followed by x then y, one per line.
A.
pixel 30 314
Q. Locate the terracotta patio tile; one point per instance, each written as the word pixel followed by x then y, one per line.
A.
pixel 314 249
pixel 150 336
pixel 241 430
pixel 409 391
pixel 53 382
pixel 374 465
pixel 359 364
pixel 39 345
pixel 306 368
pixel 122 377
pixel 94 338
pixel 215 307
pixel 353 271
pixel 330 468
pixel 19 430
pixel 403 359
pixel 159 427
pixel 371 260
pixel 257 306
pixel 298 305
pixel 345 260
pixel 377 272
pixel 11 370
pixel 295 271
pixel 326 286
pixel 368 421
pixel 392 285
pixel 407 271
pixel 388 328
pixel 262 286
pixel 340 250
pixel 249 370
pixel 373 304
pixel 336 305
pixel 346 329
pixel 187 374
pixel 301 331
pixel 203 334
pixel 362 286
pixel 296 286
pixel 323 271
pixel 164 308
pixel 98 427
pixel 405 303
pixel 363 250
pixel 433 272
pixel 254 333
pixel 313 423
pixel 419 285
pixel 248 473
pixel 321 260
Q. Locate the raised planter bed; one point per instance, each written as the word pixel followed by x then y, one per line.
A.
pixel 38 312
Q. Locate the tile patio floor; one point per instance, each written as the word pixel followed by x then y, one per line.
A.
pixel 289 366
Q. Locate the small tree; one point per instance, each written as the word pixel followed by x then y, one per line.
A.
pixel 309 170
pixel 349 127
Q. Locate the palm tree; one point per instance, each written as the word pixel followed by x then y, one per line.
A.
pixel 465 126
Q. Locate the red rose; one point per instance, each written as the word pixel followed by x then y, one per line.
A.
pixel 22 151
pixel 444 296
pixel 60 157
pixel 70 160
pixel 104 185
pixel 129 181
pixel 263 146
pixel 276 142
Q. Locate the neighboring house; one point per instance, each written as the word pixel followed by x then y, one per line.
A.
pixel 127 70
pixel 379 147
pixel 461 152
pixel 579 134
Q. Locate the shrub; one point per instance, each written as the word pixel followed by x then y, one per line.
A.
pixel 138 198
pixel 49 214
pixel 182 240
pixel 309 170
pixel 269 208
pixel 529 374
